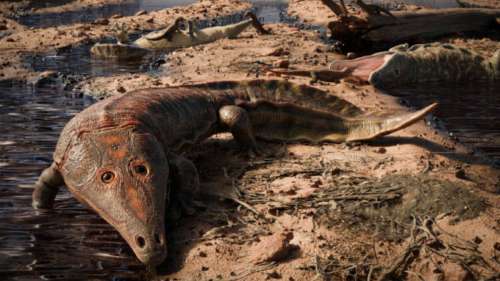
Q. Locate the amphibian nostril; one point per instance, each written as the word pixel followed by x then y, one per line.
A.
pixel 141 242
pixel 140 169
pixel 158 239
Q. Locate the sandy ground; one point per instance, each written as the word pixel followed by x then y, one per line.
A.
pixel 309 212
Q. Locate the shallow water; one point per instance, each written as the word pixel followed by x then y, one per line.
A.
pixel 272 8
pixel 437 4
pixel 70 242
pixel 90 14
pixel 470 112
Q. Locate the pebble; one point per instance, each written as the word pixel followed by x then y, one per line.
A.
pixel 275 248
pixel 281 64
pixel 121 89
pixel 460 173
pixel 101 21
pixel 278 52
pixel 351 55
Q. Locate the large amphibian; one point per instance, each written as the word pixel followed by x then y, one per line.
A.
pixel 405 65
pixel 117 155
pixel 171 38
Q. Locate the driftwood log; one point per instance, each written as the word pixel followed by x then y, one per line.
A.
pixel 378 29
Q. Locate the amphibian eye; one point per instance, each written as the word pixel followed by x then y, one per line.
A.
pixel 107 177
pixel 140 169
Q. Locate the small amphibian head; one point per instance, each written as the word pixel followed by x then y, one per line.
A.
pixel 396 70
pixel 122 174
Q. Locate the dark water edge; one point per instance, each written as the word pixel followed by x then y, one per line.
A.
pixel 435 4
pixel 270 9
pixel 90 14
pixel 469 113
pixel 69 242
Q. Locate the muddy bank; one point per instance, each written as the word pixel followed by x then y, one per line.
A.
pixel 23 41
pixel 290 190
pixel 327 211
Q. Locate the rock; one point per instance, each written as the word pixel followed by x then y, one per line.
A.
pixel 351 55
pixel 101 21
pixel 275 248
pixel 44 78
pixel 318 49
pixel 281 64
pixel 121 89
pixel 273 275
pixel 117 16
pixel 141 12
pixel 3 27
pixel 278 52
pixel 150 20
pixel 460 173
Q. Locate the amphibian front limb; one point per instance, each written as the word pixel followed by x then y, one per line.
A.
pixel 46 188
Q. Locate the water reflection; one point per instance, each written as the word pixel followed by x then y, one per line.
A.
pixel 89 14
pixel 273 8
pixel 70 242
pixel 436 4
pixel 470 112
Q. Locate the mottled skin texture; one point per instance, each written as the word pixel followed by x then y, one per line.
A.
pixel 404 65
pixel 118 155
pixel 173 37
pixel 433 63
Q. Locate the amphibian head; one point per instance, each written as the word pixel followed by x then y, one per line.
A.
pixel 397 69
pixel 122 174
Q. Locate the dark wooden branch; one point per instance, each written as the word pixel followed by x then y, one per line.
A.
pixel 410 27
pixel 336 9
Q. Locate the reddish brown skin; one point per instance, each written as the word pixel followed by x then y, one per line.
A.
pixel 121 155
pixel 146 128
